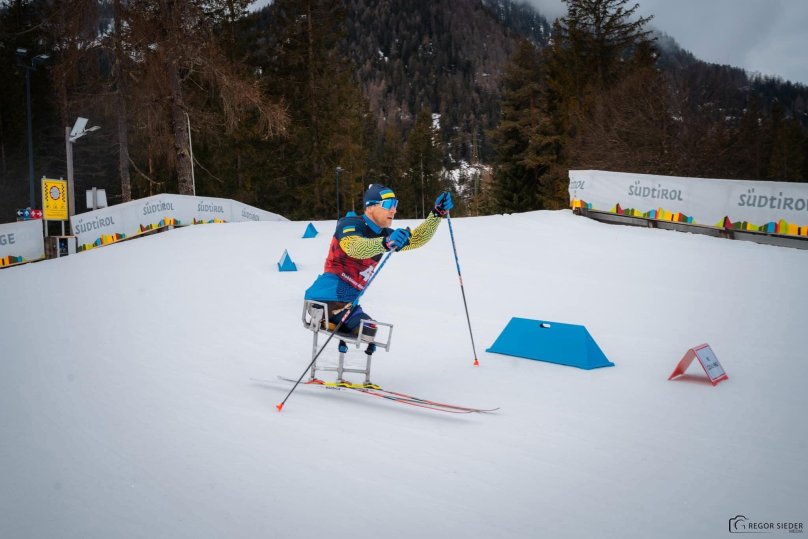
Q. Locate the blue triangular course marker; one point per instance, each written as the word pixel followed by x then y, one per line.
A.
pixel 310 231
pixel 286 263
pixel 564 344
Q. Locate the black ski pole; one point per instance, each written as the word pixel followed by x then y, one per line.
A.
pixel 331 336
pixel 462 289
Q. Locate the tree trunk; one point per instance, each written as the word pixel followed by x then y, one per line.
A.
pixel 2 145
pixel 313 106
pixel 120 109
pixel 123 148
pixel 185 181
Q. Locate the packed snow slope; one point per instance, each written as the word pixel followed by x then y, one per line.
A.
pixel 129 405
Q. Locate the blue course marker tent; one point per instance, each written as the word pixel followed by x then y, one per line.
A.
pixel 554 342
pixel 286 263
pixel 310 231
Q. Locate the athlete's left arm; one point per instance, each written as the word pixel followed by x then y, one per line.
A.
pixel 423 232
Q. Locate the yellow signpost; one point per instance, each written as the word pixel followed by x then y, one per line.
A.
pixel 54 200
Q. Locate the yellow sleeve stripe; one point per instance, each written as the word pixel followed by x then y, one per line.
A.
pixel 361 248
pixel 423 232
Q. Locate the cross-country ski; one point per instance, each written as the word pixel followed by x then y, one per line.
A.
pixel 394 396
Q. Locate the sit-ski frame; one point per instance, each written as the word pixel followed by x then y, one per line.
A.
pixel 314 320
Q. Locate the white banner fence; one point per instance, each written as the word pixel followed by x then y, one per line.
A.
pixel 123 221
pixel 771 207
pixel 21 242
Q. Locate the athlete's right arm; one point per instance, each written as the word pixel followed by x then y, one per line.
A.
pixel 356 246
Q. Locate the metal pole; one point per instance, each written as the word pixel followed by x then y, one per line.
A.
pixel 71 194
pixel 30 137
pixel 462 288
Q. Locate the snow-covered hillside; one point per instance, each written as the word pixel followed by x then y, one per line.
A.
pixel 127 407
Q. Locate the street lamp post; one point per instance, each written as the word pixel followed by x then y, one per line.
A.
pixel 71 136
pixel 22 56
pixel 339 169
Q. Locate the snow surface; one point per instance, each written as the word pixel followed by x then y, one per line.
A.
pixel 127 407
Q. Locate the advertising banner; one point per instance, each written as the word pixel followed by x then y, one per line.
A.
pixel 127 220
pixel 773 207
pixel 22 241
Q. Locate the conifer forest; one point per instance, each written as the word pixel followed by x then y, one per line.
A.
pixel 291 106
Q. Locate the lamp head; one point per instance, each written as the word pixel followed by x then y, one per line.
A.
pixel 80 129
pixel 21 55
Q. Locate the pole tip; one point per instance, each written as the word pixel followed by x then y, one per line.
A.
pixel 476 363
pixel 279 407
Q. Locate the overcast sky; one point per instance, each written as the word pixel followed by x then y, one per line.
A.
pixel 765 36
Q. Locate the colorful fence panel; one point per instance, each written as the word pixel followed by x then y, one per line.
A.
pixel 767 207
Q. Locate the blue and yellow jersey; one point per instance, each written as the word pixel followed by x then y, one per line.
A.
pixel 356 248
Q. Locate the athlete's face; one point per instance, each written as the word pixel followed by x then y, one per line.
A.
pixel 381 217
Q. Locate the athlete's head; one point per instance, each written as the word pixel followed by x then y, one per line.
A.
pixel 380 204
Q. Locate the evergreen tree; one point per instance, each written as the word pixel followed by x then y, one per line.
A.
pixel 598 36
pixel 420 184
pixel 522 151
pixel 185 77
pixel 120 89
pixel 89 71
pixel 325 108
pixel 387 162
pixel 629 126
pixel 786 158
pixel 594 47
pixel 21 27
pixel 748 151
